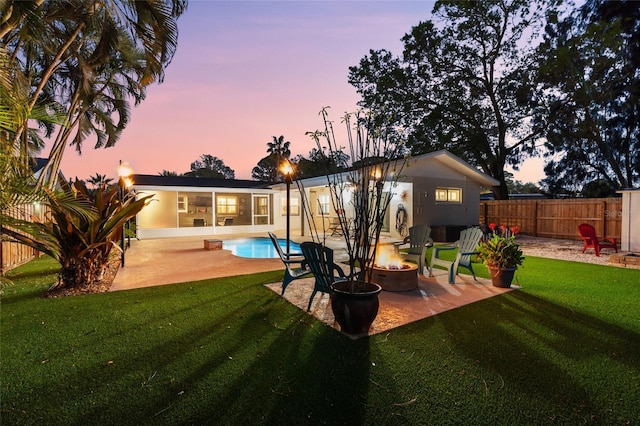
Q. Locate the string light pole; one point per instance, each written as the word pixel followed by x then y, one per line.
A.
pixel 125 182
pixel 287 171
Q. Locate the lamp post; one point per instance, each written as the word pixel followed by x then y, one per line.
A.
pixel 124 181
pixel 287 171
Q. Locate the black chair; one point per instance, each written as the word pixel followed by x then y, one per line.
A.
pixel 320 260
pixel 198 222
pixel 291 272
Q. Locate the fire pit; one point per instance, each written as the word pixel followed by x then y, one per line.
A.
pixel 391 273
pixel 394 278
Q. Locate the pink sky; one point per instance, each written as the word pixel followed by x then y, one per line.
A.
pixel 249 70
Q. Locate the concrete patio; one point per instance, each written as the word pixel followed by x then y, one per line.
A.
pixel 175 260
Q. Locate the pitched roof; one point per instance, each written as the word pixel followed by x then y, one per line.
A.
pixel 456 163
pixel 442 156
pixel 201 182
pixel 38 164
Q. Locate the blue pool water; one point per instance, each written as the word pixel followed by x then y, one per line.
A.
pixel 258 247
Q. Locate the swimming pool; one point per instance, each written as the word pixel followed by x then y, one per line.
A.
pixel 257 247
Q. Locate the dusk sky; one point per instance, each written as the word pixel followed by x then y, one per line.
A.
pixel 246 71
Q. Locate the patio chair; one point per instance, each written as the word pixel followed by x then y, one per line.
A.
pixel 419 240
pixel 588 235
pixel 334 226
pixel 320 261
pixel 291 272
pixel 466 245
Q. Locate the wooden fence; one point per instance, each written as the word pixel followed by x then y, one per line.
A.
pixel 14 254
pixel 556 218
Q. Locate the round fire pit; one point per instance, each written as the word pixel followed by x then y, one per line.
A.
pixel 402 278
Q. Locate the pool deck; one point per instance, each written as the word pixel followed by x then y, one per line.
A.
pixel 165 261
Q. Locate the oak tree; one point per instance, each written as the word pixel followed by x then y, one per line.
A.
pixel 465 83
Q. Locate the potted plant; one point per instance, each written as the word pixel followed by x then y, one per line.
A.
pixel 360 196
pixel 502 255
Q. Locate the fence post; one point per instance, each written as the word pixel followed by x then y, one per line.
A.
pixel 535 218
pixel 484 212
pixel 604 218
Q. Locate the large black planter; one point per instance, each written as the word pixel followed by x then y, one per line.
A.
pixel 355 312
pixel 501 277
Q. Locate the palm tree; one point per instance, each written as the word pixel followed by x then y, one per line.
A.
pixel 16 158
pixel 268 168
pixel 47 38
pixel 81 242
pixel 99 180
pixel 98 93
pixel 279 147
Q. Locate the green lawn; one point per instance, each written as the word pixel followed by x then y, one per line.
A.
pixel 564 349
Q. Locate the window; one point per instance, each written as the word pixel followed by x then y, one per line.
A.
pixel 449 195
pixel 194 209
pixel 324 203
pixel 183 203
pixel 261 210
pixel 226 204
pixel 294 206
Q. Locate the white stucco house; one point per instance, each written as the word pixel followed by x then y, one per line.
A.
pixel 438 189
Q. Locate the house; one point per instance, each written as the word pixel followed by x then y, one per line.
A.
pixel 438 189
pixel 191 206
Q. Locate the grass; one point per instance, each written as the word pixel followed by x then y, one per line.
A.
pixel 564 349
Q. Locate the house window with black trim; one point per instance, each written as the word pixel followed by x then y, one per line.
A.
pixel 449 195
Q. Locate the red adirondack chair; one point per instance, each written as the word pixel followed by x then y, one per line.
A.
pixel 588 235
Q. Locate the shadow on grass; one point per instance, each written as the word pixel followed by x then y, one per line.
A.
pixel 192 356
pixel 578 366
pixel 309 374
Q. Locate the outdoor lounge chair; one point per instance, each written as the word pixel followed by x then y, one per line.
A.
pixel 419 240
pixel 295 264
pixel 466 245
pixel 588 235
pixel 320 260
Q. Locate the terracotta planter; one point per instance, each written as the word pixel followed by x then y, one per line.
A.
pixel 501 277
pixel 355 312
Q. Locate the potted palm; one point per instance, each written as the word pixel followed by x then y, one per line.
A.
pixel 360 195
pixel 502 255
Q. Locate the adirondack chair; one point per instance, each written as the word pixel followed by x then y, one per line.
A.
pixel 320 260
pixel 291 272
pixel 466 245
pixel 588 235
pixel 419 240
